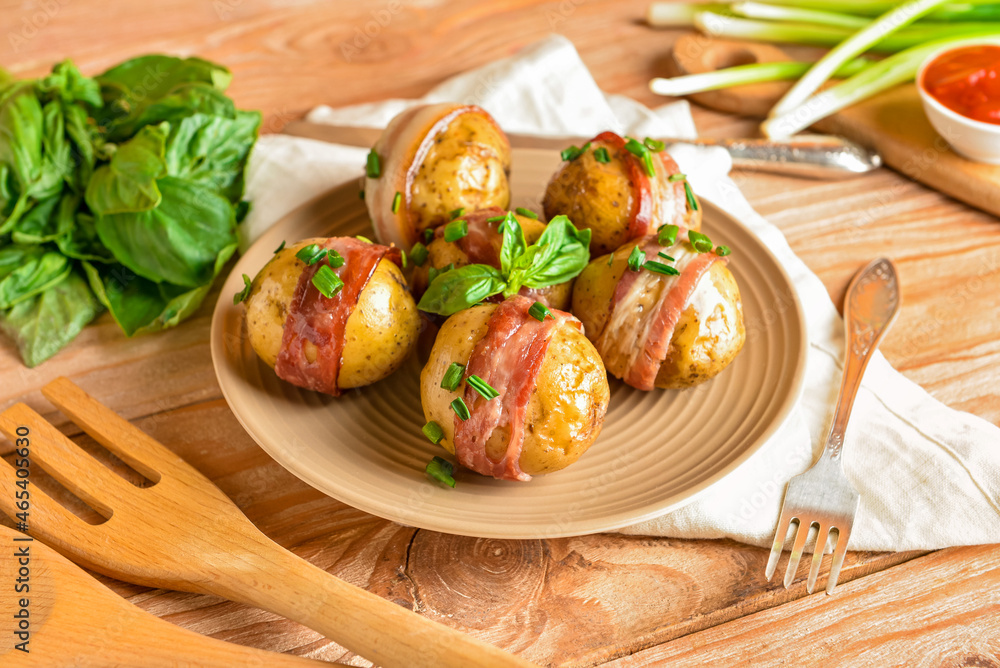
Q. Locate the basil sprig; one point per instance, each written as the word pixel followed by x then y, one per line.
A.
pixel 559 255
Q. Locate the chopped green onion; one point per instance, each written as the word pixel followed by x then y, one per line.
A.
pixel 452 377
pixel 495 219
pixel 433 273
pixel 279 248
pixel 654 144
pixel 904 14
pixel 572 153
pixel 601 155
pixel 396 201
pixel 674 178
pixel 692 202
pixel 243 294
pixel 441 470
pixel 428 235
pixel 327 282
pixel 484 389
pixel 539 311
pixel 312 254
pixel 700 242
pixel 611 259
pixel 667 235
pixel 363 238
pixel 722 251
pixel 640 151
pixel 660 268
pixel 455 230
pixel 373 168
pixel 418 254
pixel 521 211
pixel 636 259
pixel 461 410
pixel 665 256
pixel 404 258
pixel 433 431
pixel 455 213
pixel 334 258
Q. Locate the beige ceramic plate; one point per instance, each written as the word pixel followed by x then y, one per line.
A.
pixel 657 450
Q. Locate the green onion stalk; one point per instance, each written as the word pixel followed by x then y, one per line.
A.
pixel 745 74
pixel 769 12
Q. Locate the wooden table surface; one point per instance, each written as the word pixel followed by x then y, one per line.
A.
pixel 572 601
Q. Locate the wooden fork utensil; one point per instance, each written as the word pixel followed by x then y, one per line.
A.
pixel 67 618
pixel 183 533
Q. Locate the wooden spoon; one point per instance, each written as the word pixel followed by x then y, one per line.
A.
pixel 67 618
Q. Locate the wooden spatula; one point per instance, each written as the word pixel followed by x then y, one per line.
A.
pixel 71 619
pixel 184 533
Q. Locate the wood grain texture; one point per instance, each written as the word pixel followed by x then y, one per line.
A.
pixel 287 58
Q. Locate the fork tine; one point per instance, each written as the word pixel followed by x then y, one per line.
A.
pixel 779 542
pixel 821 535
pixel 65 461
pixel 839 552
pixel 133 446
pixel 48 517
pixel 793 560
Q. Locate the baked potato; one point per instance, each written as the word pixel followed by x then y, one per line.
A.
pixel 549 367
pixel 359 335
pixel 659 330
pixel 432 160
pixel 481 245
pixel 607 189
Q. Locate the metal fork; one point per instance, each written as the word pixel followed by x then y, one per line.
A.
pixel 823 496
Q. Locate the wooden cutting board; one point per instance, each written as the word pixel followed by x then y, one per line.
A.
pixel 892 123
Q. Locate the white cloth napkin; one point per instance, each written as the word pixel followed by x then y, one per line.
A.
pixel 928 476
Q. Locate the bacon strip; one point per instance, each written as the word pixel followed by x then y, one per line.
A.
pixel 483 242
pixel 322 321
pixel 642 193
pixel 509 358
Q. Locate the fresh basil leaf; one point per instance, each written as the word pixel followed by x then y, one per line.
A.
pixel 213 151
pixel 78 238
pixel 41 222
pixel 461 288
pixel 42 325
pixel 21 132
pixel 84 140
pixel 176 242
pixel 513 245
pixel 58 163
pixel 564 252
pixel 69 85
pixel 128 183
pixel 28 270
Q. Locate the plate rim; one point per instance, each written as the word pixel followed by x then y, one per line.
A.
pixel 606 523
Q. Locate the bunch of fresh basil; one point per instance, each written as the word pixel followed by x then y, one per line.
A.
pixel 559 255
pixel 121 191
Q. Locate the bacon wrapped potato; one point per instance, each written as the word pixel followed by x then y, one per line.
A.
pixel 432 160
pixel 659 322
pixel 330 334
pixel 548 385
pixel 619 195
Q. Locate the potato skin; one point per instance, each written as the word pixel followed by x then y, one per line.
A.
pixel 381 331
pixel 600 196
pixel 708 336
pixel 565 412
pixel 466 166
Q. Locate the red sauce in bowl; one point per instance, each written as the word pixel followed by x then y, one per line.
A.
pixel 967 81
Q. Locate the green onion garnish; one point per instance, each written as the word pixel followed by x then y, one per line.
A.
pixel 674 178
pixel 521 211
pixel 636 259
pixel 455 213
pixel 279 248
pixel 373 168
pixel 539 311
pixel 455 230
pixel 722 251
pixel 601 155
pixel 327 282
pixel 667 235
pixel 642 152
pixel 701 243
pixel 661 268
pixel 334 258
pixel 418 254
pixel 692 202
pixel 362 238
pixel 452 377
pixel 441 470
pixel 665 256
pixel 495 219
pixel 611 259
pixel 433 431
pixel 484 389
pixel 405 259
pixel 396 201
pixel 428 235
pixel 653 144
pixel 461 410
pixel 572 153
pixel 245 292
pixel 312 254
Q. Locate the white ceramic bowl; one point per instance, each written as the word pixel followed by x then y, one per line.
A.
pixel 973 139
